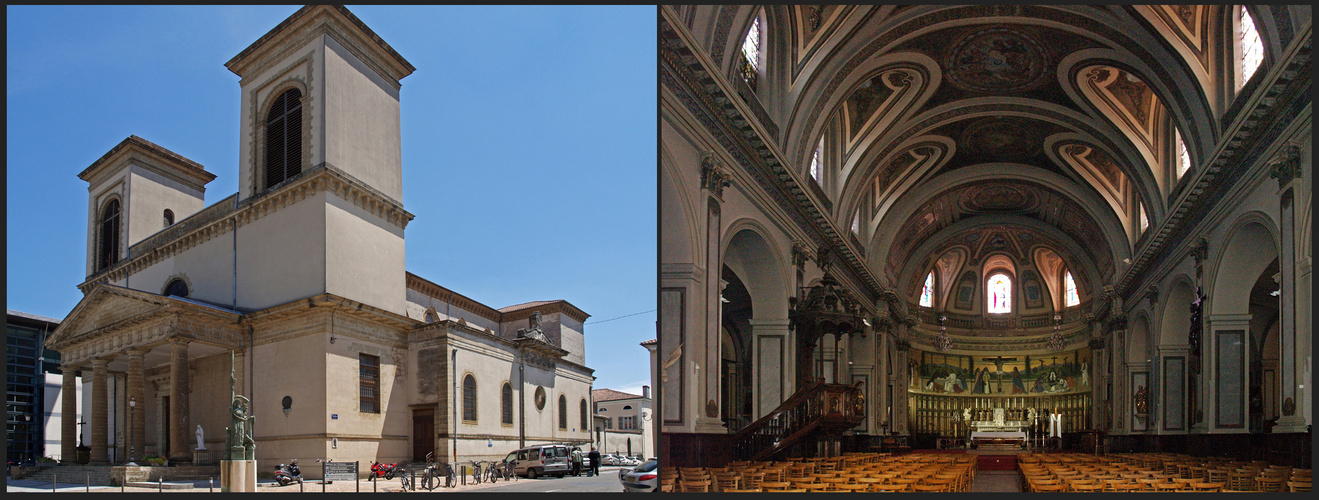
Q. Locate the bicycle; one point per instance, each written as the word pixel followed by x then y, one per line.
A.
pixel 506 469
pixel 492 472
pixel 431 478
pixel 403 477
pixel 476 472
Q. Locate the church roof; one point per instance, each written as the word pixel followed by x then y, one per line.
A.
pixel 239 61
pixel 651 342
pixel 190 167
pixel 602 395
pixel 526 305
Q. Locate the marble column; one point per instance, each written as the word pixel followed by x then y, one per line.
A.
pixel 180 435
pixel 69 415
pixel 137 421
pixel 100 416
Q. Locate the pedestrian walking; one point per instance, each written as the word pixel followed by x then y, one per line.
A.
pixel 595 462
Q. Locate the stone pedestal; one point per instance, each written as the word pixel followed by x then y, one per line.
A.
pixel 237 476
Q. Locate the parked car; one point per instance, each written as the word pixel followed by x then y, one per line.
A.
pixel 533 461
pixel 642 478
pixel 608 459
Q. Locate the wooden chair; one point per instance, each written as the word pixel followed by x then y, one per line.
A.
pixel 929 488
pixel 753 490
pixel 668 485
pixel 1241 480
pixel 887 487
pixel 1049 488
pixel 698 486
pixel 833 482
pixel 1166 486
pixel 1087 488
pixel 774 486
pixel 854 488
pixel 1215 487
pixel 1127 487
pixel 1298 486
pixel 726 481
pixel 812 487
pixel 1272 484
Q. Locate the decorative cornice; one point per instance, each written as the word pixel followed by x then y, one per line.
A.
pixel 222 217
pixel 713 177
pixel 697 84
pixel 1270 109
pixel 1286 165
pixel 1152 293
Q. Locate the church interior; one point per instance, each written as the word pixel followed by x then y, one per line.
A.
pixel 985 248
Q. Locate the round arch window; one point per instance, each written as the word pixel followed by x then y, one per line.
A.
pixel 177 287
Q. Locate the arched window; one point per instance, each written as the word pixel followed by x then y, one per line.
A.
pixel 506 404
pixel 584 415
pixel 563 412
pixel 430 317
pixel 1071 297
pixel 627 407
pixel 109 251
pixel 169 217
pixel 815 161
pixel 469 398
pixel 1144 219
pixel 284 138
pixel 176 287
pixel 1183 158
pixel 999 294
pixel 1252 48
pixel 750 64
pixel 856 223
pixel 927 292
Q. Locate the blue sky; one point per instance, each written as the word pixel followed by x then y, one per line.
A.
pixel 529 145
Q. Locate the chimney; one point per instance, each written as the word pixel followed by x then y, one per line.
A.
pixel 645 391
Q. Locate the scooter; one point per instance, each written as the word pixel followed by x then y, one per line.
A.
pixel 383 470
pixel 288 474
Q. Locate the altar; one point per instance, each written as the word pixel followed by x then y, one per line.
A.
pixel 999 431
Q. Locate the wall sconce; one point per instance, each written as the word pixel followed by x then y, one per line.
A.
pixel 331 338
pixel 287 402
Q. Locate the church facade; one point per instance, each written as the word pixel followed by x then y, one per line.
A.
pixel 293 292
pixel 1073 222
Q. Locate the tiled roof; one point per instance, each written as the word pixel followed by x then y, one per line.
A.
pixel 601 395
pixel 651 342
pixel 526 305
pixel 30 316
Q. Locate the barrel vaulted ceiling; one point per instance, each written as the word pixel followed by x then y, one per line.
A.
pixel 1046 123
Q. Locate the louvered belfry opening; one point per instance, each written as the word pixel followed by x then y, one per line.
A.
pixel 109 236
pixel 284 138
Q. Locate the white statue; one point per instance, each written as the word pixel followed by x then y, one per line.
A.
pixel 1031 414
pixel 998 416
pixel 1085 375
pixel 966 414
pixel 949 382
pixel 201 445
pixel 1056 424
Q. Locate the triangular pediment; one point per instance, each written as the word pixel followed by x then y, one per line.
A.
pixel 109 308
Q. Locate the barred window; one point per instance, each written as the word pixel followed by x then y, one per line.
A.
pixel 109 251
pixel 284 138
pixel 506 404
pixel 584 414
pixel 469 398
pixel 563 412
pixel 369 374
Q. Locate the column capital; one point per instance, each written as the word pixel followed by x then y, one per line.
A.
pixel 179 341
pixel 137 352
pixel 100 362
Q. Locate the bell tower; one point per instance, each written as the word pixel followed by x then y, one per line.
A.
pixel 320 163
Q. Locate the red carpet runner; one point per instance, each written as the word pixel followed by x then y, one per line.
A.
pixel 997 462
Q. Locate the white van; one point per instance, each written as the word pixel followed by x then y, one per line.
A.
pixel 548 459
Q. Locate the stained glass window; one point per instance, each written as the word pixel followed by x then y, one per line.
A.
pixel 815 161
pixel 1069 284
pixel 1252 49
pixel 751 53
pixel 1000 294
pixel 1183 158
pixel 927 292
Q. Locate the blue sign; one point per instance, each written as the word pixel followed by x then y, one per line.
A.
pixel 334 416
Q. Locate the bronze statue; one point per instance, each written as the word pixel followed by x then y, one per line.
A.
pixel 238 441
pixel 1142 400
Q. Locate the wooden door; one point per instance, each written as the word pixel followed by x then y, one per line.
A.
pixel 423 433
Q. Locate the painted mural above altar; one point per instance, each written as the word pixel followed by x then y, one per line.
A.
pixel 1063 372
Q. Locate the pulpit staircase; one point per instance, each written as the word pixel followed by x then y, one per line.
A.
pixel 816 411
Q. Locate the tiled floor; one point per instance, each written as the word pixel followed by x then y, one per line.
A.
pixel 996 481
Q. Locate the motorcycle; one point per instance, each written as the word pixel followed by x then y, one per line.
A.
pixel 288 474
pixel 386 471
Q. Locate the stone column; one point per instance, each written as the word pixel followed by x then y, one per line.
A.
pixel 1286 170
pixel 100 416
pixel 706 353
pixel 136 418
pixel 180 435
pixel 69 415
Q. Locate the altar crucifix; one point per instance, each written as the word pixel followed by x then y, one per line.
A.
pixel 998 366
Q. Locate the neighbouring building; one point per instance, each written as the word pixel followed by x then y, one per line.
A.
pixel 32 388
pixel 298 280
pixel 627 427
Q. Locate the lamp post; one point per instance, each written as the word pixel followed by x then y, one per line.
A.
pixel 132 407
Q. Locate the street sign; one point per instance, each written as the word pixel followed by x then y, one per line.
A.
pixel 340 471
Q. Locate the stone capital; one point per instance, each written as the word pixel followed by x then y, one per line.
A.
pixel 713 176
pixel 177 342
pixel 100 362
pixel 1286 165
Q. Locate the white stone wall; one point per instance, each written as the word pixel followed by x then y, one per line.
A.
pixel 282 256
pixel 363 256
pixel 361 120
pixel 150 195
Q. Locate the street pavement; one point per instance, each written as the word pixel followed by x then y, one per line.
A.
pixel 607 481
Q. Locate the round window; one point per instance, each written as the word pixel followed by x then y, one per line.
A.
pixel 540 398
